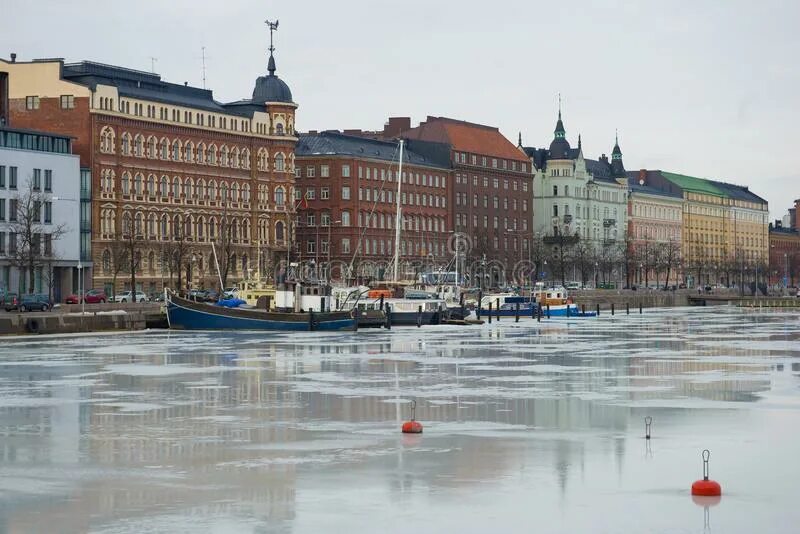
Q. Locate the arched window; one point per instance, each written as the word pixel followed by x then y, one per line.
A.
pixel 223 156
pixel 176 150
pixel 279 231
pixel 345 218
pixel 280 196
pixel 164 152
pixel 138 146
pixel 223 191
pixel 139 227
pixel 188 152
pixel 201 189
pixel 126 223
pixel 280 161
pixel 107 140
pixel 212 155
pixel 126 183
pixel 244 159
pixel 151 225
pixel 126 144
pixel 164 186
pixel 106 261
pixel 246 193
pixel 138 183
pixel 235 192
pixel 263 159
pixel 188 189
pixel 279 129
pixel 151 262
pixel 245 230
pixel 212 190
pixel 201 223
pixel 235 158
pixel 212 228
pixel 164 230
pixel 201 154
pixel 151 147
pixel 151 185
pixel 176 187
pixel 244 264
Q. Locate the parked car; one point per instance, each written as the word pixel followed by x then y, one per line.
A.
pixel 10 301
pixel 95 296
pixel 34 301
pixel 197 294
pixel 127 296
pixel 230 292
pixel 573 286
pixel 72 299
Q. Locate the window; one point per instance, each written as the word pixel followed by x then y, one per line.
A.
pixel 2 177
pixel 345 171
pixel 37 179
pixel 48 212
pixel 324 171
pixel 48 180
pixel 310 171
pixel 345 218
pixel 345 245
pixel 311 219
pixel 2 209
pixel 325 219
pixel 555 190
pixel 280 162
pixel 67 102
pixel 555 210
pixel 280 196
pixel 31 102
pixel 324 193
pixel 345 192
pixel 12 209
pixel 311 247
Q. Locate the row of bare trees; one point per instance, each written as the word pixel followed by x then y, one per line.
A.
pixel 127 245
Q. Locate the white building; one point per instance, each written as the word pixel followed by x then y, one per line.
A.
pixel 40 166
pixel 577 196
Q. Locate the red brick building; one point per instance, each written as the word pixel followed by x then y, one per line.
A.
pixel 346 195
pixel 784 250
pixel 492 192
pixel 170 164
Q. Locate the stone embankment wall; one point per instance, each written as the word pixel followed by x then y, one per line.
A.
pixel 648 299
pixel 98 318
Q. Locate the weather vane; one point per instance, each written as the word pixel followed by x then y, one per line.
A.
pixel 273 26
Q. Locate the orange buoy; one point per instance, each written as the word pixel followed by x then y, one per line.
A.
pixel 706 487
pixel 412 426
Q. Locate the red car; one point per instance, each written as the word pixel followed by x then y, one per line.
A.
pixel 95 296
pixel 72 299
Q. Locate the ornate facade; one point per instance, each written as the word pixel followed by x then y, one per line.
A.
pixel 171 166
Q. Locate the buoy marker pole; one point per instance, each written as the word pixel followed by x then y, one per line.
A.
pixel 706 487
pixel 413 426
pixel 647 422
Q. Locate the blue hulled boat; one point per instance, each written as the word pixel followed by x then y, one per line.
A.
pixel 187 314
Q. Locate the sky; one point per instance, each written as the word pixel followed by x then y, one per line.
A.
pixel 699 87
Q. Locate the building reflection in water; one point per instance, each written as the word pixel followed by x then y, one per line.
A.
pixel 237 426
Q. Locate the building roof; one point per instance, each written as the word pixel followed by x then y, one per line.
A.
pixel 636 187
pixel 696 185
pixel 270 88
pixel 466 137
pixel 333 143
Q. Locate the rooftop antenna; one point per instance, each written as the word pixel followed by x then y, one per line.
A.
pixel 559 104
pixel 203 50
pixel 153 64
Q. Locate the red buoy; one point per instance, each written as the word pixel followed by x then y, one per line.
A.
pixel 412 426
pixel 706 487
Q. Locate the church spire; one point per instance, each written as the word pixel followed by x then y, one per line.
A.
pixel 273 26
pixel 559 132
pixel 616 153
pixel 519 142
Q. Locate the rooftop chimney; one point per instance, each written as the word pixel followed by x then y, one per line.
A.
pixel 396 126
pixel 13 57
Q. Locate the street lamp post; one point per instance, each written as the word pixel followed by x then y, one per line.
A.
pixel 80 287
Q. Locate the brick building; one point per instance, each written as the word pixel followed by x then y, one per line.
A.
pixel 170 166
pixel 784 250
pixel 491 196
pixel 347 193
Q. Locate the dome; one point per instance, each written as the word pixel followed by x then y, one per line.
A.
pixel 560 149
pixel 270 88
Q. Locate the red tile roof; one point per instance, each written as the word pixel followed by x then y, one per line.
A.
pixel 466 137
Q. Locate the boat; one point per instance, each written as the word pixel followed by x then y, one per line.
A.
pixel 555 302
pixel 368 311
pixel 507 304
pixel 295 311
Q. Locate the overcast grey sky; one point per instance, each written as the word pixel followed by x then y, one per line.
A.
pixel 707 88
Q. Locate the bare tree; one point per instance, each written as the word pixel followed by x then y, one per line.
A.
pixel 670 258
pixel 583 255
pixel 132 241
pixel 32 232
pixel 118 250
pixel 179 247
pixel 225 246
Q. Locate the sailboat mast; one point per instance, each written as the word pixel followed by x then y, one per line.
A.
pixel 398 216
